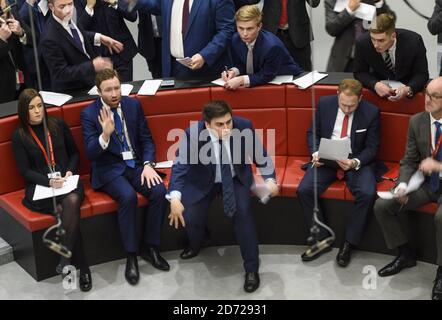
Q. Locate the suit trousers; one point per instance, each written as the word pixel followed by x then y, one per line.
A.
pixel 123 189
pixel 195 216
pixel 388 211
pixel 361 183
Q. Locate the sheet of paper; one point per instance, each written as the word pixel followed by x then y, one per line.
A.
pixel 184 61
pixel 261 191
pixel 334 149
pixel 126 89
pixel 309 79
pixel 150 87
pixel 54 98
pixel 282 79
pixel 393 84
pixel 42 192
pixel 365 11
pixel 416 180
pixel 164 164
pixel 219 82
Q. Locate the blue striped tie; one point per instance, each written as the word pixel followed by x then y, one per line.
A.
pixel 434 178
pixel 227 182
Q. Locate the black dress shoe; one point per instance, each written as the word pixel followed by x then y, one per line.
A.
pixel 396 266
pixel 437 288
pixel 132 274
pixel 152 255
pixel 85 281
pixel 189 253
pixel 344 254
pixel 252 281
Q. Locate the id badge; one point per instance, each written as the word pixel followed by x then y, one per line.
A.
pixel 127 155
pixel 54 175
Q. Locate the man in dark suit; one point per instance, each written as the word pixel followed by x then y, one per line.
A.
pixel 344 116
pixel 435 23
pixel 257 54
pixel 289 20
pixel 387 53
pixel 120 147
pixel 346 28
pixel 230 145
pixel 426 156
pixel 68 50
pixel 107 17
pixel 197 29
pixel 149 41
pixel 240 3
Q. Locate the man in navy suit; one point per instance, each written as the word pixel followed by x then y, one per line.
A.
pixel 107 17
pixel 258 55
pixel 120 147
pixel 195 181
pixel 68 50
pixel 344 116
pixel 198 29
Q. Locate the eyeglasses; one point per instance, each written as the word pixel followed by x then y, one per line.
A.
pixel 433 97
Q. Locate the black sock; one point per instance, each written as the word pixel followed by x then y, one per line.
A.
pixel 406 251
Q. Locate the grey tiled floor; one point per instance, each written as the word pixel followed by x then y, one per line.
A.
pixel 217 274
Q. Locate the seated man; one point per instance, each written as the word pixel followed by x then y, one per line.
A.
pixel 387 53
pixel 68 50
pixel 258 55
pixel 344 116
pixel 426 156
pixel 195 182
pixel 119 145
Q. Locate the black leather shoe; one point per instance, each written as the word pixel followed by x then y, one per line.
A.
pixel 344 254
pixel 437 288
pixel 152 255
pixel 252 281
pixel 132 274
pixel 85 281
pixel 396 266
pixel 189 253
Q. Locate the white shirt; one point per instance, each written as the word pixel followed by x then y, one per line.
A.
pixel 156 30
pixel 176 27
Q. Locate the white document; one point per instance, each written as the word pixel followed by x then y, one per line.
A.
pixel 262 192
pixel 393 84
pixel 309 79
pixel 334 149
pixel 164 164
pixel 184 61
pixel 219 82
pixel 54 98
pixel 365 11
pixel 415 182
pixel 42 192
pixel 282 79
pixel 126 89
pixel 150 87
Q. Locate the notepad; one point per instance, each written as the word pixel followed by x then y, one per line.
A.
pixel 279 80
pixel 309 79
pixel 150 87
pixel 364 11
pixel 416 180
pixel 42 192
pixel 334 149
pixel 219 82
pixel 54 98
pixel 164 164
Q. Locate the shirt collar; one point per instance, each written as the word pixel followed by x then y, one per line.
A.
pixel 393 47
pixel 432 120
pixel 251 44
pixel 63 23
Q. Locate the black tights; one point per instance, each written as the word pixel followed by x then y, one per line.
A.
pixel 70 217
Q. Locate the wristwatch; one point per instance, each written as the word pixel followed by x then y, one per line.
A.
pixel 150 164
pixel 410 93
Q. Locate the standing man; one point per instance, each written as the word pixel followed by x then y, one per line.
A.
pixel 337 117
pixel 149 41
pixel 288 19
pixel 120 147
pixel 435 23
pixel 195 182
pixel 426 156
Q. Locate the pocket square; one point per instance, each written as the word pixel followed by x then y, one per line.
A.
pixel 361 130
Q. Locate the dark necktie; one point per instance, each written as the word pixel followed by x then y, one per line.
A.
pixel 185 18
pixel 121 136
pixel 227 182
pixel 76 37
pixel 434 178
pixel 389 62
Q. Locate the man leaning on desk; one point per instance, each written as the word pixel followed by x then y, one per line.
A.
pixel 337 117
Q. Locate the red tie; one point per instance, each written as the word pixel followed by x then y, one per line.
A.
pixel 283 19
pixel 185 18
pixel 340 172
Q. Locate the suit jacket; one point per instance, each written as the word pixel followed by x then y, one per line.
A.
pixel 411 61
pixel 365 129
pixel 69 67
pixel 195 180
pixel 146 42
pixel 435 22
pixel 341 26
pixel 108 164
pixel 418 145
pixel 240 3
pixel 299 22
pixel 210 27
pixel 110 22
pixel 270 58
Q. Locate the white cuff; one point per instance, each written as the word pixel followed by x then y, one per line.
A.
pixel 358 166
pixel 97 39
pixel 103 143
pixel 236 70
pixel 89 11
pixel 246 81
pixel 23 38
pixel 379 4
pixel 173 195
